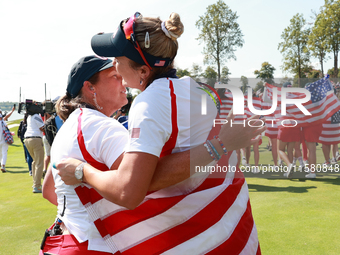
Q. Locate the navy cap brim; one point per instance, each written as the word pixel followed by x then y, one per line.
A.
pixel 109 65
pixel 116 45
pixel 102 45
pixel 83 70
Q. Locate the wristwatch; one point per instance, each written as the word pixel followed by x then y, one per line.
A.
pixel 79 172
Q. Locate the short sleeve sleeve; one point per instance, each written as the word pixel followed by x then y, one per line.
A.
pixel 150 122
pixel 38 120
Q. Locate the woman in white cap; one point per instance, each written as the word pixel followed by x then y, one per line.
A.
pixel 196 216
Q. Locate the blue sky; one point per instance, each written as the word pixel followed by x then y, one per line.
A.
pixel 41 40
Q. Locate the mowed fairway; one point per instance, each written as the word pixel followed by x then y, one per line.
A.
pixel 292 216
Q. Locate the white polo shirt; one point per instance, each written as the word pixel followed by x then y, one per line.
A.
pixel 150 123
pixel 105 139
pixel 34 123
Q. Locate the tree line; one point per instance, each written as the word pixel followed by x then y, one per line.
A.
pixel 301 41
pixel 7 106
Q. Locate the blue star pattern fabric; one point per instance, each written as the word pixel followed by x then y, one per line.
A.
pixel 322 105
pixel 335 118
pixel 319 89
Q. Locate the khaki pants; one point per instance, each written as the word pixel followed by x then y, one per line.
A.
pixel 35 148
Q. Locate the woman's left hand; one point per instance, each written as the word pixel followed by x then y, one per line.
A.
pixel 66 169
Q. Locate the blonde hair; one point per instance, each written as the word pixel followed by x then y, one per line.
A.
pixel 160 44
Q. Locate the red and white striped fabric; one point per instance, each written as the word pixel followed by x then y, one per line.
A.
pixel 212 218
pixel 320 110
pixel 179 224
pixel 256 101
pixel 272 129
pixel 273 121
pixel 227 104
pixel 330 133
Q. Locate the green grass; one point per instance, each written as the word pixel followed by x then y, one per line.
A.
pixel 292 216
pixel 24 216
pixel 296 216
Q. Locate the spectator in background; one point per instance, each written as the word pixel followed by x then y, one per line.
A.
pixel 21 134
pixel 298 156
pixel 256 102
pixel 52 124
pixel 47 146
pixel 58 121
pixel 310 136
pixel 3 144
pixel 6 115
pixel 122 113
pixel 35 147
pixel 271 131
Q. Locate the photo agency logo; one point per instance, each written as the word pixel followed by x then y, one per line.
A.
pixel 276 98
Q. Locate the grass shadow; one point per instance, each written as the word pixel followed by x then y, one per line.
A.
pixel 16 145
pixel 291 189
pixel 16 172
pixel 10 169
pixel 335 181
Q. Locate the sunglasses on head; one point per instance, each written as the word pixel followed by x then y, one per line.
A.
pixel 129 31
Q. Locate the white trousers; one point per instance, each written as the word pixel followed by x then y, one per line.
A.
pixel 3 152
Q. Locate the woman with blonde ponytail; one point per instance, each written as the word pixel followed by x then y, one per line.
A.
pixel 198 215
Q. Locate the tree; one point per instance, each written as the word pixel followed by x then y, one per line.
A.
pixel 314 74
pixel 182 72
pixel 259 86
pixel 332 74
pixel 244 81
pixel 286 79
pixel 225 75
pixel 266 73
pixel 317 41
pixel 221 34
pixel 330 22
pixel 196 72
pixel 210 74
pixel 294 46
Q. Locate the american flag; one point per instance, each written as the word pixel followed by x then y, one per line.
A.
pixel 272 130
pixel 330 132
pixel 135 133
pixel 256 101
pixel 335 118
pixel 159 63
pixel 227 104
pixel 322 105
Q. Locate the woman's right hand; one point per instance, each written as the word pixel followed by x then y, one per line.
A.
pixel 241 135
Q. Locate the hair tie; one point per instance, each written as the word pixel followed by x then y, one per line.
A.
pixel 167 32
